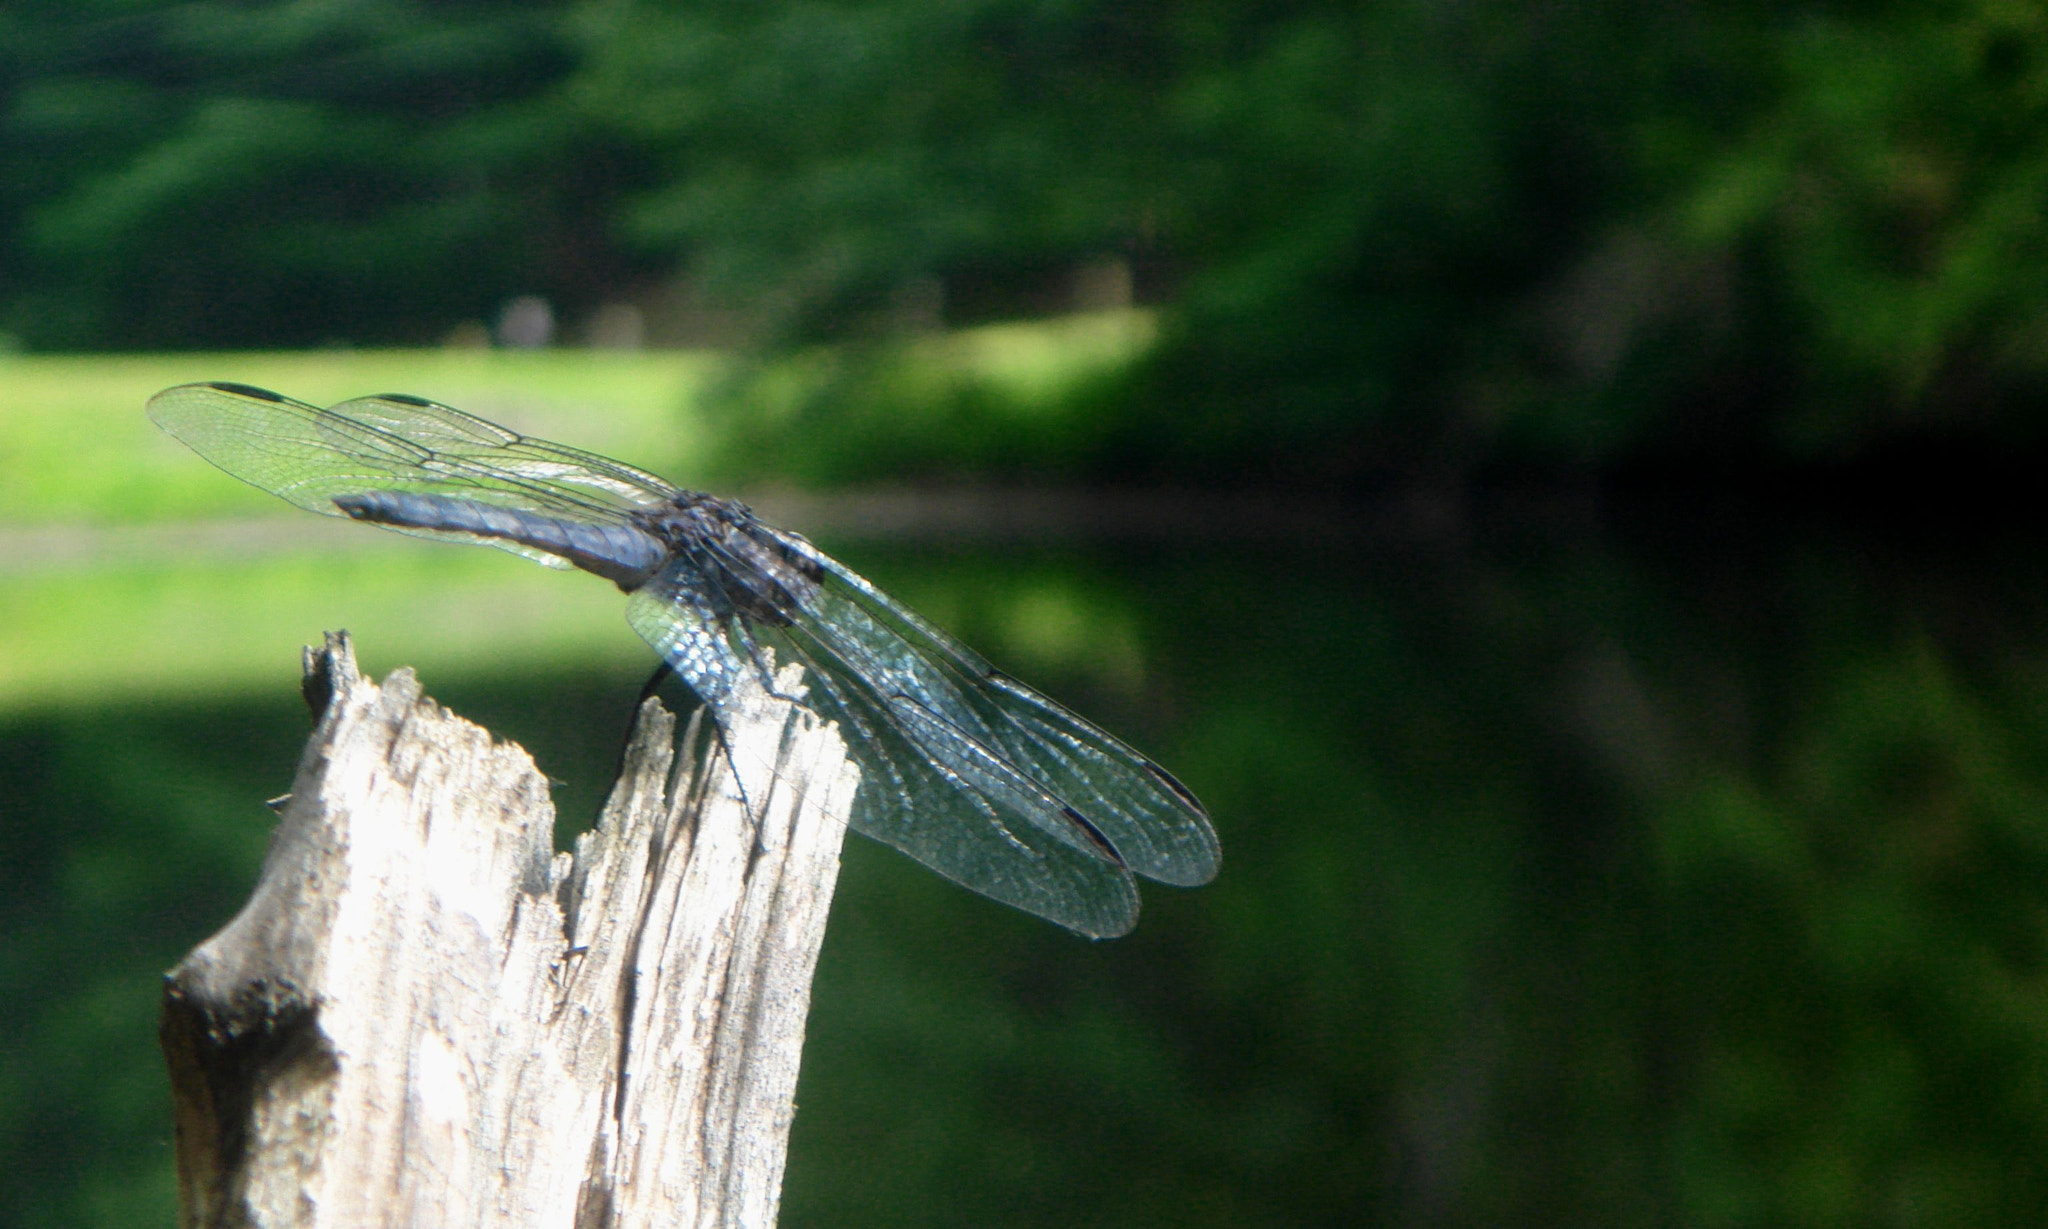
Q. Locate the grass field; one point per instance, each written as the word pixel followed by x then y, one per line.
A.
pixel 76 448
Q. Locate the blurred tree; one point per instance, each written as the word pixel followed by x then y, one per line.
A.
pixel 1884 184
pixel 1399 239
pixel 220 174
pixel 826 160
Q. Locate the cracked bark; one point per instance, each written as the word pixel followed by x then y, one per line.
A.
pixel 425 1016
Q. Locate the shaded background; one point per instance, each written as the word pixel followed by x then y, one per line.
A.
pixel 1554 479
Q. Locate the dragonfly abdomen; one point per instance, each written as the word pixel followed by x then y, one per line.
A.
pixel 622 554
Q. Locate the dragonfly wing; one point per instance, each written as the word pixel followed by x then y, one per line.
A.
pixel 1151 820
pixel 677 612
pixel 309 456
pixel 963 811
pixel 944 800
pixel 469 449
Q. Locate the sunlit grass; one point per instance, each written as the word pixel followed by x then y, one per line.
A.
pixel 220 626
pixel 75 445
pixel 1004 399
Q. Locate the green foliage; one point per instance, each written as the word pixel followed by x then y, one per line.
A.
pixel 1388 240
pixel 1014 401
pixel 124 838
pixel 1887 184
pixel 818 156
pixel 1836 915
pixel 233 175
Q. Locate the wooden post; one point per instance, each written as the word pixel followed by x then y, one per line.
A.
pixel 426 1017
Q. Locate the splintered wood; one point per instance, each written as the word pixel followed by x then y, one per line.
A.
pixel 424 1016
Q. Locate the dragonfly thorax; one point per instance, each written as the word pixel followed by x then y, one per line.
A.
pixel 748 567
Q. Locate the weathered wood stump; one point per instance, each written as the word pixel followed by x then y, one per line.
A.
pixel 424 1016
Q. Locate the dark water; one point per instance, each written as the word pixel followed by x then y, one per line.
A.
pixel 1665 866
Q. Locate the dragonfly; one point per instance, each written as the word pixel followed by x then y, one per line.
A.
pixel 979 777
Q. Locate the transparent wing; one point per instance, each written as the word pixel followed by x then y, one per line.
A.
pixel 946 800
pixel 308 456
pixel 1151 820
pixel 925 691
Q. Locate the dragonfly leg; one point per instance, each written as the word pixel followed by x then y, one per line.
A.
pixel 739 783
pixel 764 665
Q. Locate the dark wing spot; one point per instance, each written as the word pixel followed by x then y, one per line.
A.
pixel 404 399
pixel 248 390
pixel 1167 779
pixel 1094 834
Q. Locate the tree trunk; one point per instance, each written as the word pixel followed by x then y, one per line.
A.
pixel 424 1016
